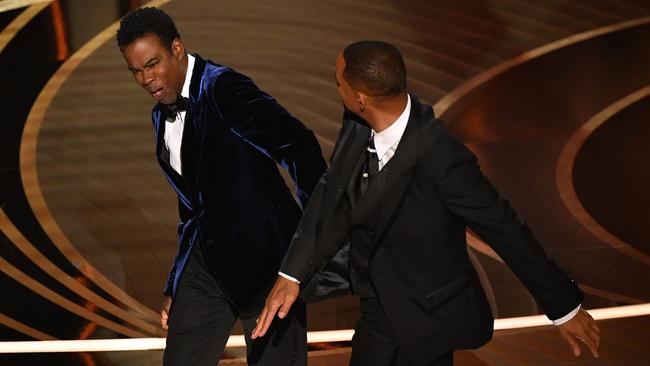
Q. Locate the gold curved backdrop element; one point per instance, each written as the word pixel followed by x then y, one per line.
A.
pixel 564 176
pixel 461 91
pixel 30 251
pixel 19 22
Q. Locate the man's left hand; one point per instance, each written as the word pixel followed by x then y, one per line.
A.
pixel 582 327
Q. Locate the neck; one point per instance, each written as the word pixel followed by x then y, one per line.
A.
pixel 381 113
pixel 184 63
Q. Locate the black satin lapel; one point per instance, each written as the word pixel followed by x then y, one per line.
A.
pixel 351 186
pixel 340 174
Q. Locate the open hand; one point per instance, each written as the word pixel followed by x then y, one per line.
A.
pixel 582 327
pixel 283 294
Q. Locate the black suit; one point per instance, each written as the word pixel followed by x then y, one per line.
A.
pixel 418 209
pixel 237 214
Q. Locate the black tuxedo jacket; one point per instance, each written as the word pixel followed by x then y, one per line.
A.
pixel 231 196
pixel 418 208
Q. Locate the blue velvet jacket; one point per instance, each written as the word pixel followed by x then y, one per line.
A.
pixel 231 196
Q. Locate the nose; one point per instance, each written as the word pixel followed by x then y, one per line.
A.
pixel 146 77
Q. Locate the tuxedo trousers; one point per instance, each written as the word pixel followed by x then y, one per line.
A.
pixel 374 344
pixel 202 317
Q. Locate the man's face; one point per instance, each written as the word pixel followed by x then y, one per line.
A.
pixel 155 67
pixel 348 95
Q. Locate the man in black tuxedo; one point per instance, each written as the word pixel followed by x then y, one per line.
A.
pixel 219 140
pixel 388 220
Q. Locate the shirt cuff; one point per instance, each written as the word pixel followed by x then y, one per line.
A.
pixel 289 277
pixel 567 317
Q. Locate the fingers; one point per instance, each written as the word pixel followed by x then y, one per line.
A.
pixel 286 305
pixel 282 296
pixel 575 348
pixel 593 326
pixel 164 312
pixel 595 335
pixel 592 339
pixel 265 319
pixel 591 343
pixel 163 319
pixel 592 335
pixel 586 331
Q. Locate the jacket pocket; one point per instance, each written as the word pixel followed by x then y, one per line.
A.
pixel 446 292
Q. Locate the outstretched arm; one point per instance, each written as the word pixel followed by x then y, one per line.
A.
pixel 468 195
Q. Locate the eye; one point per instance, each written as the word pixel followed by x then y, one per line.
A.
pixel 151 64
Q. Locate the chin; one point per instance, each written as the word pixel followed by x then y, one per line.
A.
pixel 168 100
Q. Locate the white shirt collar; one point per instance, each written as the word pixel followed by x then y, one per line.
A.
pixel 188 76
pixel 385 139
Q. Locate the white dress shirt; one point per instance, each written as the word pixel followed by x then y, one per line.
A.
pixel 174 130
pixel 387 140
pixel 386 143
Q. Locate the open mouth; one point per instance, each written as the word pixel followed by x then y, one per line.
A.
pixel 158 93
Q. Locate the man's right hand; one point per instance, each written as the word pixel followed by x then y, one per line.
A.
pixel 283 294
pixel 164 312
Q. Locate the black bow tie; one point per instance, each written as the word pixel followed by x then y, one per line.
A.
pixel 171 110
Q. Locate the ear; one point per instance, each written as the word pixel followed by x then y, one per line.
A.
pixel 178 49
pixel 362 100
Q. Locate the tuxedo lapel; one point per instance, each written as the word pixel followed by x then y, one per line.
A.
pixel 349 155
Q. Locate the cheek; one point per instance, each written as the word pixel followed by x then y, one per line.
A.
pixel 348 98
pixel 341 95
pixel 139 78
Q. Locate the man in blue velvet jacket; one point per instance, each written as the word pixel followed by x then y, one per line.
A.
pixel 219 140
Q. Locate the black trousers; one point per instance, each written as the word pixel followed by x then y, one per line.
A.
pixel 202 318
pixel 374 344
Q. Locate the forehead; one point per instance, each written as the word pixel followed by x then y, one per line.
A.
pixel 143 48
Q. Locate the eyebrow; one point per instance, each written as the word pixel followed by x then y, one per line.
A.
pixel 151 60
pixel 148 63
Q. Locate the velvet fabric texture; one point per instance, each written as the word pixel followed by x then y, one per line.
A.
pixel 231 196
pixel 418 208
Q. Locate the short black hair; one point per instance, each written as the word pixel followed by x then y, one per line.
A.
pixel 375 67
pixel 143 21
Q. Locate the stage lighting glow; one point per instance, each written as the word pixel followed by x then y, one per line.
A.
pixel 143 344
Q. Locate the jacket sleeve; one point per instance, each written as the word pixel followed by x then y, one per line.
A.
pixel 261 121
pixel 299 261
pixel 467 193
pixel 184 214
